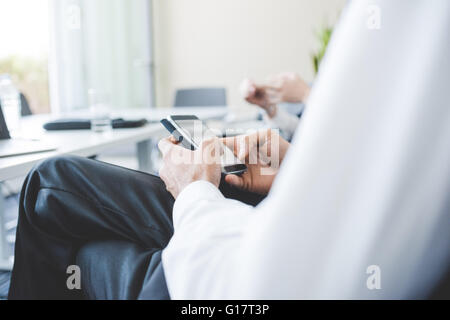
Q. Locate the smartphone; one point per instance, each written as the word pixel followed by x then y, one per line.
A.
pixel 190 131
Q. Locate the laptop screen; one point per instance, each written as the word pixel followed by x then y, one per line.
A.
pixel 4 133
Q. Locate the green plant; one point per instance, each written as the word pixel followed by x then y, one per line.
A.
pixel 323 36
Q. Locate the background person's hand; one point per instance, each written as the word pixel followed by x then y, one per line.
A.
pixel 263 153
pixel 257 94
pixel 290 87
pixel 283 87
pixel 181 166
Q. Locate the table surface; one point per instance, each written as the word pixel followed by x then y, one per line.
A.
pixel 86 143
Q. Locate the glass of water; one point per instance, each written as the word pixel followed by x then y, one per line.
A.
pixel 99 111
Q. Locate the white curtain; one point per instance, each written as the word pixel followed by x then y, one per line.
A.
pixel 103 45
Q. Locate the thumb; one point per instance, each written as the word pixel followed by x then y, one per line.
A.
pixel 174 140
pixel 212 151
pixel 164 145
pixel 235 180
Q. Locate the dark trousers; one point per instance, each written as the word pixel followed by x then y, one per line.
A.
pixel 111 222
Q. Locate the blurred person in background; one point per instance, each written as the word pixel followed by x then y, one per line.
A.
pixel 283 88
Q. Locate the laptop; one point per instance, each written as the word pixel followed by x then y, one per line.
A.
pixel 17 147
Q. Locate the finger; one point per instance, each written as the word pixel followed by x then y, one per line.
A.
pixel 274 96
pixel 260 102
pixel 263 136
pixel 165 145
pixel 251 91
pixel 264 157
pixel 247 88
pixel 274 82
pixel 272 88
pixel 218 147
pixel 174 140
pixel 238 145
pixel 230 142
pixel 235 181
pixel 212 150
pixel 241 146
pixel 208 142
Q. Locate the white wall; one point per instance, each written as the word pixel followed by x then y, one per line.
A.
pixel 219 42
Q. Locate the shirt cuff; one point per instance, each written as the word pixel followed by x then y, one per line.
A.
pixel 191 195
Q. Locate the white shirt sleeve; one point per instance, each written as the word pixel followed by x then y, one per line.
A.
pixel 207 228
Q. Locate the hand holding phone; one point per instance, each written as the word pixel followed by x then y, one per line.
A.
pixel 182 167
pixel 190 131
pixel 262 152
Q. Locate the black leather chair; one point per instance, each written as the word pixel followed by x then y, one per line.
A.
pixel 26 110
pixel 442 291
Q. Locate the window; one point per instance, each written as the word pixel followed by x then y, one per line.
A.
pixel 102 45
pixel 57 50
pixel 24 49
